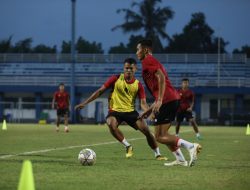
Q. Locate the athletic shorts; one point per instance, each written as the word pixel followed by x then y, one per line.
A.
pixel 184 114
pixel 62 112
pixel 129 117
pixel 167 113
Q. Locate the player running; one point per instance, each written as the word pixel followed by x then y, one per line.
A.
pixel 165 105
pixel 186 108
pixel 61 97
pixel 125 89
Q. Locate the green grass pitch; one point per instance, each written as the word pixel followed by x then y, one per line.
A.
pixel 224 162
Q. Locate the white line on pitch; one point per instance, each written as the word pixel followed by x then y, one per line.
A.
pixel 69 147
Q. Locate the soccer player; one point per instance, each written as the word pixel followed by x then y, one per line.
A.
pixel 165 105
pixel 61 97
pixel 124 90
pixel 186 107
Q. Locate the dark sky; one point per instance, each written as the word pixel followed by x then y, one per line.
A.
pixel 48 21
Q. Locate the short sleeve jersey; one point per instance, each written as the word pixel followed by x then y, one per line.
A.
pixel 149 67
pixel 62 99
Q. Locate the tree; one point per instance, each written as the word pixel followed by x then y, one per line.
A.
pixel 129 48
pixel 244 49
pixel 22 46
pixel 66 47
pixel 41 48
pixel 197 37
pixel 148 17
pixel 121 48
pixel 5 45
pixel 82 46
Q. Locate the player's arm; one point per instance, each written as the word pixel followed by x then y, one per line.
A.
pixel 91 98
pixel 161 87
pixel 69 103
pixel 142 97
pixel 111 81
pixel 191 104
pixel 144 105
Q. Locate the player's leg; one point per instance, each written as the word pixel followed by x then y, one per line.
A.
pixel 179 119
pixel 114 130
pixel 195 127
pixel 66 122
pixel 170 141
pixel 58 118
pixel 142 126
pixel 164 118
pixel 189 117
pixel 177 128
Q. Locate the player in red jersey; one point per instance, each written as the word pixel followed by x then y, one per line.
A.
pixel 125 88
pixel 61 97
pixel 165 105
pixel 186 107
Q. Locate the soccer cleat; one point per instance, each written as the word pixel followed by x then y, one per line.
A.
pixel 193 154
pixel 176 163
pixel 129 151
pixel 160 157
pixel 66 129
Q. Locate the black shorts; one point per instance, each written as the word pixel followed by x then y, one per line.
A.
pixel 129 117
pixel 167 113
pixel 63 112
pixel 184 114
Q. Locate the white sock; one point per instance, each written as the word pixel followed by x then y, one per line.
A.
pixel 157 151
pixel 125 142
pixel 198 135
pixel 65 126
pixel 185 144
pixel 178 155
pixel 177 134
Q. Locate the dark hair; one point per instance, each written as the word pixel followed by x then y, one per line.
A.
pixel 61 84
pixel 130 61
pixel 185 79
pixel 146 43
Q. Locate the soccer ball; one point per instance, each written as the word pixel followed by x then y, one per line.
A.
pixel 87 157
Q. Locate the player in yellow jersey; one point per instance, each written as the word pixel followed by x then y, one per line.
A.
pixel 125 89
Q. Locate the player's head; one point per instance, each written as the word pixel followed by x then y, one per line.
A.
pixel 129 67
pixel 185 83
pixel 61 87
pixel 144 47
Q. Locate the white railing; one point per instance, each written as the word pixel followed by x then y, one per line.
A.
pixel 117 58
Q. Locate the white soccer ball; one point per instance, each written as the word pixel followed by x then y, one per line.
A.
pixel 87 157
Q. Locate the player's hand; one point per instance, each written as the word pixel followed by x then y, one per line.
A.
pixel 157 106
pixel 145 114
pixel 152 117
pixel 79 106
pixel 189 109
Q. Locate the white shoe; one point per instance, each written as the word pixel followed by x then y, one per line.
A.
pixel 176 163
pixel 66 129
pixel 193 154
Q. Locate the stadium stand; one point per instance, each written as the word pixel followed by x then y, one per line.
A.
pixel 226 77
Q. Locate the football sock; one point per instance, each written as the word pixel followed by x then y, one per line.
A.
pixel 125 142
pixel 198 135
pixel 157 151
pixel 178 155
pixel 177 134
pixel 184 144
